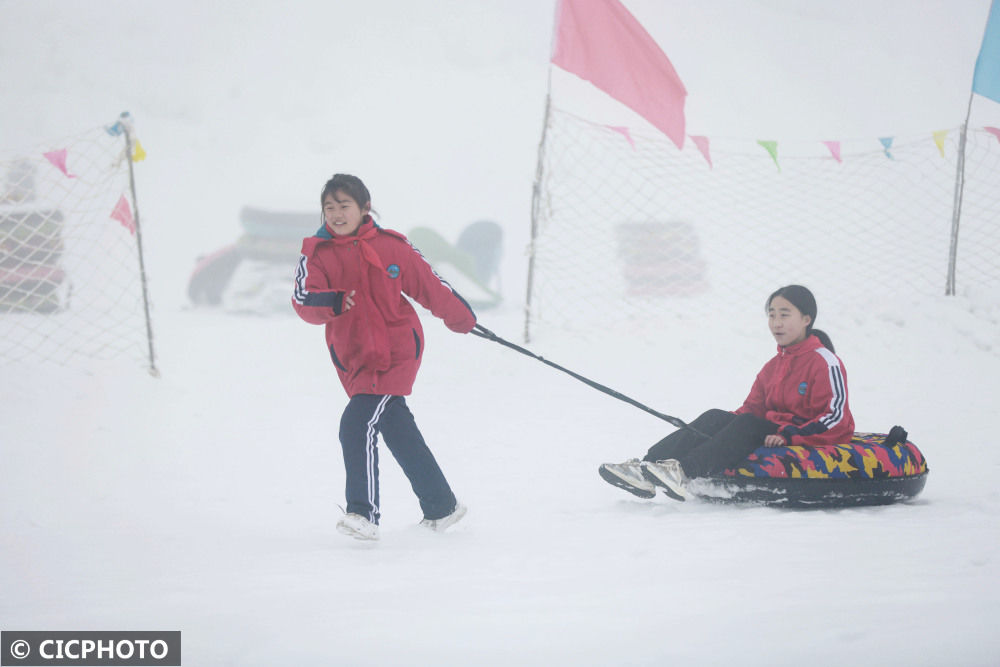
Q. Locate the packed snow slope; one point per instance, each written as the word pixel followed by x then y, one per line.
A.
pixel 205 500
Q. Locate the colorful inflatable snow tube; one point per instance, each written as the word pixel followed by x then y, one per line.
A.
pixel 865 471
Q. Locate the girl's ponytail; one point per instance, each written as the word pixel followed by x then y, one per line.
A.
pixel 823 338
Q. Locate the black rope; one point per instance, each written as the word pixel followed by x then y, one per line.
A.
pixel 483 332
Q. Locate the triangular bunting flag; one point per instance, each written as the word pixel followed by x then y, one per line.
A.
pixel 772 148
pixel 58 158
pixel 138 152
pixel 886 145
pixel 995 131
pixel 834 147
pixel 624 132
pixel 702 144
pixel 939 138
pixel 123 214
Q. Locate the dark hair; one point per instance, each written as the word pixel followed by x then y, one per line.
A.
pixel 349 185
pixel 803 299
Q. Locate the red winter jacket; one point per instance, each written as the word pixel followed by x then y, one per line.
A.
pixel 377 344
pixel 803 390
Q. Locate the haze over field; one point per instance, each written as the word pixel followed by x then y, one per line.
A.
pixel 204 501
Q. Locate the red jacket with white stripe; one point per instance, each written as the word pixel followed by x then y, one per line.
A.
pixel 377 344
pixel 803 390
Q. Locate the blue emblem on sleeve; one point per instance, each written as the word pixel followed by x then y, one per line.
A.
pixel 392 270
pixel 802 388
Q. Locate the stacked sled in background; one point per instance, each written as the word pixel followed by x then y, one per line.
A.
pixel 254 275
pixel 31 248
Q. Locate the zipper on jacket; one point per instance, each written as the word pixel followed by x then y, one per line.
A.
pixel 362 267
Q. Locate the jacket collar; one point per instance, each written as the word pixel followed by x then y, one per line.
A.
pixel 365 231
pixel 808 345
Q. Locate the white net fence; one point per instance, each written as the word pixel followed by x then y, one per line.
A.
pixel 71 284
pixel 627 222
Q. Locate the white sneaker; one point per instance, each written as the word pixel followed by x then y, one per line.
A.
pixel 442 524
pixel 669 475
pixel 628 476
pixel 357 527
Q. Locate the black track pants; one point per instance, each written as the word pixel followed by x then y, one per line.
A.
pixel 732 439
pixel 367 415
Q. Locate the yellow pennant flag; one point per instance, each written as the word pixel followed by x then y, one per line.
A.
pixel 138 152
pixel 939 138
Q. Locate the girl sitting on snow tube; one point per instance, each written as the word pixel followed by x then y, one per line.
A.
pixel 798 399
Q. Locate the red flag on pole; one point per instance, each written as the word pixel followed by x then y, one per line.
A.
pixel 601 42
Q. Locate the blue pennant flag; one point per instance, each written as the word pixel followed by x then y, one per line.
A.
pixel 986 80
pixel 886 145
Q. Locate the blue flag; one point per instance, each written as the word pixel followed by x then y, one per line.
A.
pixel 886 145
pixel 986 80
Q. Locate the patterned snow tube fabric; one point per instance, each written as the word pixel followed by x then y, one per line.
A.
pixel 862 472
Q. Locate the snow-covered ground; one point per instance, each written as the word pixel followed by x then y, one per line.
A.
pixel 204 500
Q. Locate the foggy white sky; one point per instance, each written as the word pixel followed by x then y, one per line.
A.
pixel 439 105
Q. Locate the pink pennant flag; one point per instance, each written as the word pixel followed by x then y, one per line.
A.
pixel 123 214
pixel 995 131
pixel 624 132
pixel 58 158
pixel 601 42
pixel 702 144
pixel 834 147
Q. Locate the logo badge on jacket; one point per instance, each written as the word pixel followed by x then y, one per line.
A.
pixel 802 388
pixel 392 270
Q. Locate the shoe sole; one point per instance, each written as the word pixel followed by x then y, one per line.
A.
pixel 350 532
pixel 454 518
pixel 615 480
pixel 459 514
pixel 661 484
